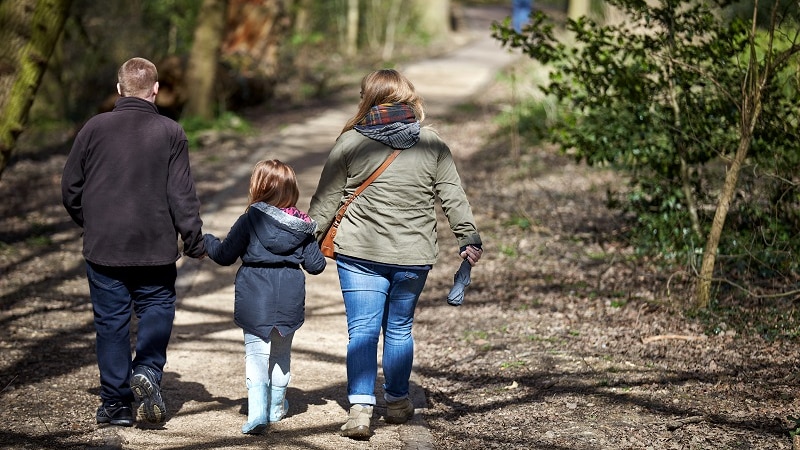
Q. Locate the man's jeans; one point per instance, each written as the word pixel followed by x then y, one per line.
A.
pixel 267 362
pixel 117 293
pixel 375 297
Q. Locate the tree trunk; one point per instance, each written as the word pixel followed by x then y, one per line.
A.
pixel 204 58
pixel 750 110
pixel 434 18
pixel 352 27
pixel 723 205
pixel 578 8
pixel 29 31
pixel 256 32
pixel 392 18
pixel 301 22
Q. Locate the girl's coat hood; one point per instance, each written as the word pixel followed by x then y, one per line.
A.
pixel 278 231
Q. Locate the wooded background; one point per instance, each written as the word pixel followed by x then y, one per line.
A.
pixel 694 101
pixel 59 59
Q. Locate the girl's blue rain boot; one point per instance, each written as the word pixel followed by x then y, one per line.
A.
pixel 278 405
pixel 256 409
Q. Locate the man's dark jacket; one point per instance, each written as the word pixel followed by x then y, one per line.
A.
pixel 127 182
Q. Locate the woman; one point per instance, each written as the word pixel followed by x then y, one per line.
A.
pixel 386 242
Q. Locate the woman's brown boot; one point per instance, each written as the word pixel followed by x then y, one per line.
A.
pixel 357 425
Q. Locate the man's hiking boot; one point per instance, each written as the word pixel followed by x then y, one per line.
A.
pixel 117 413
pixel 144 385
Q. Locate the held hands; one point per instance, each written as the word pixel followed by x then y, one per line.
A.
pixel 472 254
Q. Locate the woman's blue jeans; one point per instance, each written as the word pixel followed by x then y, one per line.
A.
pixel 267 362
pixel 117 293
pixel 378 297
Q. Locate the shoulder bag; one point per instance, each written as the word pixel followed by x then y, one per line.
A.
pixel 326 246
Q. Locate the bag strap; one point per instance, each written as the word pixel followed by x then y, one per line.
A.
pixel 375 174
pixel 360 189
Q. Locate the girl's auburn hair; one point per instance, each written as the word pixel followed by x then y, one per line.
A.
pixel 275 183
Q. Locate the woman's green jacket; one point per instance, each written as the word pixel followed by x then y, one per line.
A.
pixel 394 221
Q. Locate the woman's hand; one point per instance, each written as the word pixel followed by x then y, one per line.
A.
pixel 472 254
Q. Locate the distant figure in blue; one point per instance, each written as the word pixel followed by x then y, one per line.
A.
pixel 520 13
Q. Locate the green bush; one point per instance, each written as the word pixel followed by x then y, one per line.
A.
pixel 657 96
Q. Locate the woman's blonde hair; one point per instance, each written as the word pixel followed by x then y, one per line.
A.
pixel 136 78
pixel 382 87
pixel 275 183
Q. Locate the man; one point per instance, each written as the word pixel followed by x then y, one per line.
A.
pixel 127 183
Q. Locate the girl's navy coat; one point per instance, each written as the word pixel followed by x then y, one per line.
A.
pixel 270 287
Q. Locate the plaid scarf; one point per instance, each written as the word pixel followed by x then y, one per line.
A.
pixel 392 124
pixel 389 113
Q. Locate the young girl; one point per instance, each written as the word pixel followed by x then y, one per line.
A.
pixel 274 239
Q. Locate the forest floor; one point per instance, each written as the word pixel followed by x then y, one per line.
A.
pixel 567 340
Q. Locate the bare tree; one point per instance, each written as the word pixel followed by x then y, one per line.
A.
pixel 578 8
pixel 29 31
pixel 392 19
pixel 352 27
pixel 204 59
pixel 759 76
pixel 433 18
